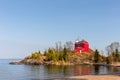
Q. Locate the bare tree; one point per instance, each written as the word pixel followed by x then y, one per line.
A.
pixel 69 46
pixel 112 47
pixel 108 49
pixel 58 47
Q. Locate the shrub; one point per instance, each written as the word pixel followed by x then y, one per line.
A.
pixel 36 55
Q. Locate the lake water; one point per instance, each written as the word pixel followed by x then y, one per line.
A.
pixel 27 72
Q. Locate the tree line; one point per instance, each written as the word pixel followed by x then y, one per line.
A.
pixel 113 54
pixel 66 53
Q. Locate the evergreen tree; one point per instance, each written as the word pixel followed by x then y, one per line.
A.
pixel 113 57
pixel 55 56
pixel 45 53
pixel 109 60
pixel 52 55
pixel 117 54
pixel 61 56
pixel 96 56
pixel 65 55
pixel 49 55
pixel 36 55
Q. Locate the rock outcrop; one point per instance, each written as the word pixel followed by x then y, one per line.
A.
pixel 30 61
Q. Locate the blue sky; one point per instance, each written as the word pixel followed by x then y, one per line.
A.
pixel 31 25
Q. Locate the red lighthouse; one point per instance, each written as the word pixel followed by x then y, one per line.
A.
pixel 81 46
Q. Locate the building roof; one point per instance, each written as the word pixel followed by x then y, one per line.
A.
pixel 79 42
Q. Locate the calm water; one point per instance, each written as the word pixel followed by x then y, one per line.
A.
pixel 26 72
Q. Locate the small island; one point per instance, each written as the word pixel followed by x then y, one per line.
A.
pixel 81 54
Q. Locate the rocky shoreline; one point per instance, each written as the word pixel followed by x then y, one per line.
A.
pixel 29 60
pixel 38 62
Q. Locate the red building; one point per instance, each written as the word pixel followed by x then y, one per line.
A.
pixel 81 46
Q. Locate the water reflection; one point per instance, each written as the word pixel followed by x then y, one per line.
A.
pixel 45 72
pixel 59 79
pixel 78 70
pixel 52 71
pixel 81 70
pixel 96 69
pixel 59 70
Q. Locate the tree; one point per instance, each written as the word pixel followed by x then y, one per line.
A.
pixel 112 47
pixel 51 55
pixel 69 46
pixel 58 47
pixel 65 56
pixel 117 54
pixel 96 56
pixel 108 49
pixel 45 53
pixel 113 56
pixel 113 51
pixel 109 60
pixel 36 55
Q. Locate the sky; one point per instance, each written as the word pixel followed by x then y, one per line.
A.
pixel 27 26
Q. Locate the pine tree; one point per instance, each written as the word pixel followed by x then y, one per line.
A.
pixel 65 56
pixel 117 54
pixel 96 56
